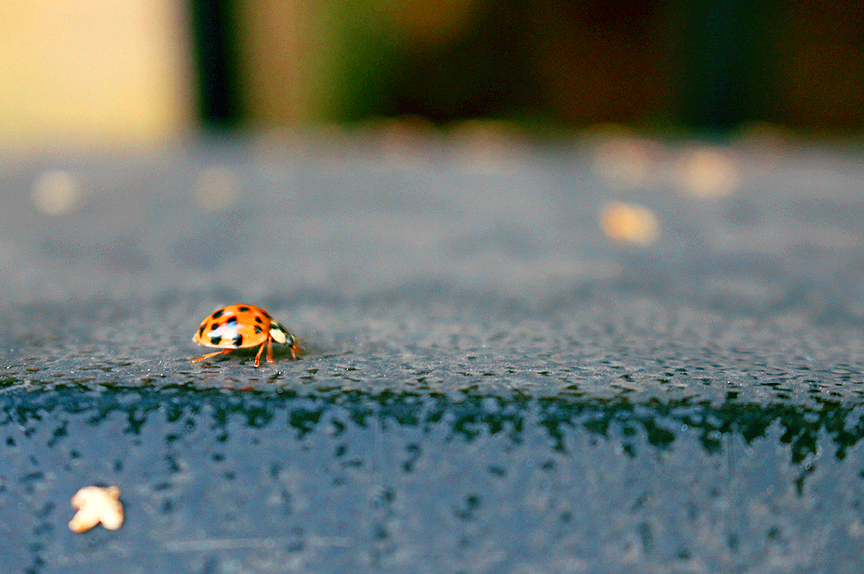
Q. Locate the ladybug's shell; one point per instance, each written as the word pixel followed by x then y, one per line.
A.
pixel 239 327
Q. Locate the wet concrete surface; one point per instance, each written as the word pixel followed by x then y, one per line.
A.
pixel 490 383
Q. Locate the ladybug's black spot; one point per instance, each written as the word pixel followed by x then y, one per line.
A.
pixel 238 340
pixel 214 340
pixel 243 309
pixel 201 330
pixel 214 326
pixel 217 314
pixel 257 330
pixel 231 321
pixel 258 319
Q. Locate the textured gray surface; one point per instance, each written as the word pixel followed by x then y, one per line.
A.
pixel 490 384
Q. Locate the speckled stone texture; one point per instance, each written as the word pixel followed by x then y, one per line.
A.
pixel 490 383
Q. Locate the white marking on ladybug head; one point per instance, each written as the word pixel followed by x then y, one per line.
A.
pixel 278 332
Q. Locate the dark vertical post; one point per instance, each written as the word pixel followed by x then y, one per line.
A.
pixel 216 58
pixel 722 65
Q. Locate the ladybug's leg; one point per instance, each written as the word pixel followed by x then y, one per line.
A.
pixel 295 348
pixel 208 355
pixel 269 349
pixel 258 356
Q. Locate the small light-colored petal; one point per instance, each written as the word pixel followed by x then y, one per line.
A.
pixel 97 504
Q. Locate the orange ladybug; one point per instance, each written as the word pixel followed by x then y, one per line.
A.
pixel 242 327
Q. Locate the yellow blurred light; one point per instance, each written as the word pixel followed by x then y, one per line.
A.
pixel 93 71
pixel 629 223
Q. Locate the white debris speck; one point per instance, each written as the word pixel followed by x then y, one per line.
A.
pixel 97 504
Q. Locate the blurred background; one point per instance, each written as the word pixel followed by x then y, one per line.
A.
pixel 140 72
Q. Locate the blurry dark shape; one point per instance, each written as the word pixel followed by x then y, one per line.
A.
pixel 600 62
pixel 817 65
pixel 484 72
pixel 705 66
pixel 216 48
pixel 720 53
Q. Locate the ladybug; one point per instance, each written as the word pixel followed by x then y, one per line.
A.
pixel 241 327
